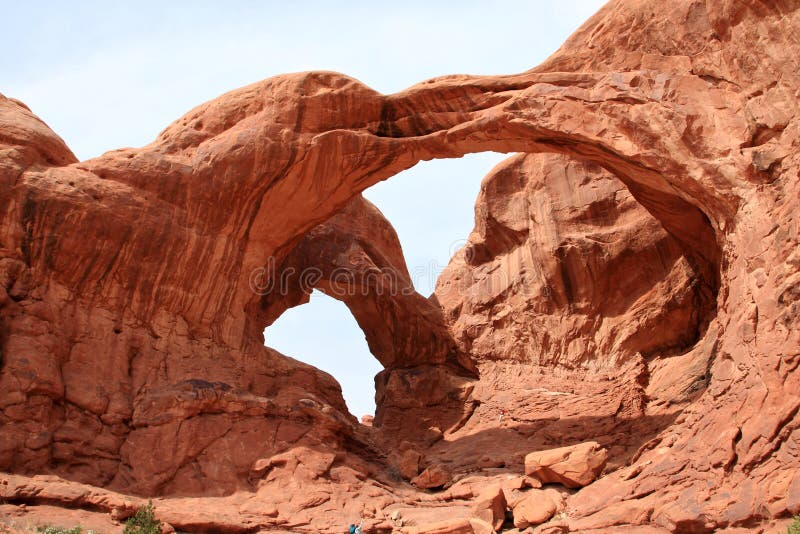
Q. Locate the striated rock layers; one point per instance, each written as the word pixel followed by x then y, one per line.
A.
pixel 632 280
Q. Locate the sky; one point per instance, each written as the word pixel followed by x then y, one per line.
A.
pixel 106 75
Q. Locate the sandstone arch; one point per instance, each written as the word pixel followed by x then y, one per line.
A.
pixel 355 257
pixel 701 134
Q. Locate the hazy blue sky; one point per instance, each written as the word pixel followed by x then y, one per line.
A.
pixel 105 75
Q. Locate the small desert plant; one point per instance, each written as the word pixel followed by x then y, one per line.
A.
pixel 58 530
pixel 794 528
pixel 143 522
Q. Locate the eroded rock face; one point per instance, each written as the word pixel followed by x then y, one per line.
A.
pixel 659 319
pixel 566 269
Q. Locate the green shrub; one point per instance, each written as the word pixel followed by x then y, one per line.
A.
pixel 143 522
pixel 794 528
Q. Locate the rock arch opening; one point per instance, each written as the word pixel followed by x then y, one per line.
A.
pixel 323 333
pixel 431 207
pixel 610 272
pixel 356 257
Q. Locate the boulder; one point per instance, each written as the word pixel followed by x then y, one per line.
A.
pixel 407 459
pixel 408 463
pixel 453 526
pixel 574 466
pixel 491 506
pixel 434 476
pixel 534 508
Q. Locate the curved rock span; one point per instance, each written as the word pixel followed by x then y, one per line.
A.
pixel 632 280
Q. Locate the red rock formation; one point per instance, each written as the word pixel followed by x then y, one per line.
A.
pixel 564 268
pixel 132 349
pixel 356 257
